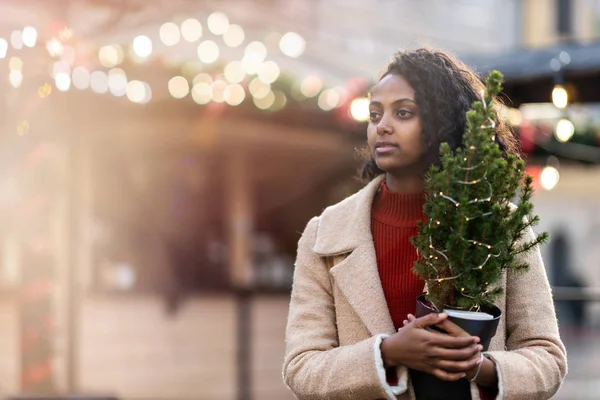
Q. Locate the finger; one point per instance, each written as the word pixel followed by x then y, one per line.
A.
pixel 452 328
pixel 405 322
pixel 411 317
pixel 447 376
pixel 464 354
pixel 448 341
pixel 458 366
pixel 429 319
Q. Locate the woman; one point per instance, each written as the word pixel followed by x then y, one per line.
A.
pixel 350 332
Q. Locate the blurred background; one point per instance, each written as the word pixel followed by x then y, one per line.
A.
pixel 160 159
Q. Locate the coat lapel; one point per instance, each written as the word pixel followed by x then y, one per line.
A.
pixel 357 277
pixel 345 229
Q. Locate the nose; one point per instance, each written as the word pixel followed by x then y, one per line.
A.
pixel 384 128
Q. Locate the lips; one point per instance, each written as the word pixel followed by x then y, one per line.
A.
pixel 385 145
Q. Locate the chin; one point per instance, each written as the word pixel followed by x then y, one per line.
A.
pixel 389 165
pixel 396 165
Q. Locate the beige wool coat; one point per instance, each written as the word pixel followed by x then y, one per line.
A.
pixel 338 317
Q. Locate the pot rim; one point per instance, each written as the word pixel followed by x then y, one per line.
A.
pixel 493 309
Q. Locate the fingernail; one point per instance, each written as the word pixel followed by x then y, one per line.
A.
pixel 463 375
pixel 480 348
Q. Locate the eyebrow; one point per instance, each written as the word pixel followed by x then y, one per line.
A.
pixel 395 102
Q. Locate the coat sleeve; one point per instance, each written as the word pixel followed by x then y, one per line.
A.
pixel 315 366
pixel 534 363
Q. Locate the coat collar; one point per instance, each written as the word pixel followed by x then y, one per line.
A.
pixel 345 229
pixel 346 225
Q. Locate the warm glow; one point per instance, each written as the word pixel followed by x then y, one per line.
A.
pixel 234 94
pixel 269 72
pixel 259 89
pixel 142 46
pixel 191 68
pixel 16 78
pixel 515 117
pixel 311 86
pixel 81 78
pixel 234 73
pixel 16 39
pixel 328 99
pixel 359 109
pixel 147 93
pixel 218 23
pixel 108 56
pixel 191 30
pixel 256 49
pixel 218 91
pixel 136 91
pixel 292 44
pixel 68 55
pixel 179 87
pixel 60 67
pixel 560 97
pixel 254 55
pixel 169 34
pixel 549 178
pixel 99 82
pixel 54 47
pixel 3 48
pixel 265 102
pixel 564 130
pixel 15 64
pixel 203 78
pixel 202 93
pixel 208 52
pixel 234 36
pixel 63 82
pixel 30 36
pixel 279 102
pixel 117 82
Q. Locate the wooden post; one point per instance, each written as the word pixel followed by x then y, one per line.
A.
pixel 240 220
pixel 240 213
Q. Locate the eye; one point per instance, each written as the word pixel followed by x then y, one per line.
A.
pixel 404 113
pixel 373 116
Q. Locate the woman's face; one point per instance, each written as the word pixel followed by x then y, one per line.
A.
pixel 394 130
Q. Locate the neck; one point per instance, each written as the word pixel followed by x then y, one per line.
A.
pixel 404 184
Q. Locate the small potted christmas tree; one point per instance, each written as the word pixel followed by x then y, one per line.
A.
pixel 472 231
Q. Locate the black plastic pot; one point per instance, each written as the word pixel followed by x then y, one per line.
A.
pixel 428 387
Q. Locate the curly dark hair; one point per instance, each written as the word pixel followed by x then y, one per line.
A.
pixel 445 89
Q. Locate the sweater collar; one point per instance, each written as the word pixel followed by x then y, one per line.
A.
pixel 398 209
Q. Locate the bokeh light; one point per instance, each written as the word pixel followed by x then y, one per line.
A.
pixel 81 78
pixel 218 23
pixel 142 46
pixel 549 178
pixel 208 52
pixel 359 109
pixel 234 94
pixel 99 82
pixel 292 44
pixel 234 36
pixel 179 87
pixel 564 130
pixel 170 35
pixel 202 93
pixel 191 30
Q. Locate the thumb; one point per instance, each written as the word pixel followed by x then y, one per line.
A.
pixel 430 319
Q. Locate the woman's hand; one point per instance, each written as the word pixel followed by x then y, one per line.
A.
pixel 417 347
pixel 456 331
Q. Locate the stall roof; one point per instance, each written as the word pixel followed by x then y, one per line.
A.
pixel 524 64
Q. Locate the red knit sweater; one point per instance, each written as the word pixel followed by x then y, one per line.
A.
pixel 394 219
